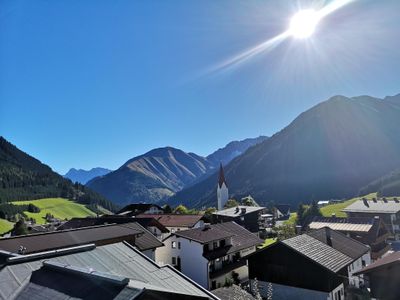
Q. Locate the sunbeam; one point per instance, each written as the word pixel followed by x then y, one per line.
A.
pixel 302 25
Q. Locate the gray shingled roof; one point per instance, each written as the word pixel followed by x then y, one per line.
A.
pixel 369 206
pixel 237 211
pixel 116 259
pixel 319 252
pixel 340 242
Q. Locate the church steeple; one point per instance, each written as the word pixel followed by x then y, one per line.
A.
pixel 222 189
pixel 221 179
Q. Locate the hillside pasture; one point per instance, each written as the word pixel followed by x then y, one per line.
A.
pixel 60 208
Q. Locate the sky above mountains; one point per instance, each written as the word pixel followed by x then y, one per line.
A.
pixel 94 83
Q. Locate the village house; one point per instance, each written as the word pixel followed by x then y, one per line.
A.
pixel 134 209
pixel 176 222
pixel 387 210
pixel 133 233
pixel 113 271
pixel 383 277
pixel 282 211
pixel 323 261
pixel 369 231
pixel 211 255
pixel 248 217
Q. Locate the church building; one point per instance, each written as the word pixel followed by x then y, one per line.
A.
pixel 222 189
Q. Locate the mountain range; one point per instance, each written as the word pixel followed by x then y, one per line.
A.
pixel 330 151
pixel 160 173
pixel 23 177
pixel 83 176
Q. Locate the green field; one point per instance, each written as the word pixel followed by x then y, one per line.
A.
pixel 5 226
pixel 292 219
pixel 328 210
pixel 268 242
pixel 60 208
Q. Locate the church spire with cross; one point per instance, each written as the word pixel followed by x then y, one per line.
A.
pixel 222 189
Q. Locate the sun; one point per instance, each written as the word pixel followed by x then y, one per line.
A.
pixel 303 23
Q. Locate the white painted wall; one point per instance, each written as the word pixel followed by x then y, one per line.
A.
pixel 357 266
pixel 193 264
pixel 222 196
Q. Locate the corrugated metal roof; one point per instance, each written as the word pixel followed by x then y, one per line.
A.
pixel 117 259
pixel 341 226
pixel 319 252
pixel 370 206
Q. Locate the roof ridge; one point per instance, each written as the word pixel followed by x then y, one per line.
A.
pixel 342 234
pixel 318 241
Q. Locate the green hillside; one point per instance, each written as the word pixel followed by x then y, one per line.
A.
pixel 5 226
pixel 23 177
pixel 58 207
pixel 336 208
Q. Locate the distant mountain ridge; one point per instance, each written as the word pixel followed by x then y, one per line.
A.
pixel 23 177
pixel 160 173
pixel 330 151
pixel 83 176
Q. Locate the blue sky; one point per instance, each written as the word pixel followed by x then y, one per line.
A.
pixel 94 83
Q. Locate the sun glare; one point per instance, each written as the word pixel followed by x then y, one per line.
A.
pixel 303 23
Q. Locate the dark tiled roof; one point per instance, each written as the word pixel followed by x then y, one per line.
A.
pixel 318 252
pixel 391 259
pixel 68 238
pixel 283 208
pixel 232 292
pixel 204 234
pixel 118 264
pixel 174 220
pixel 111 219
pixel 138 207
pixel 340 242
pixel 241 238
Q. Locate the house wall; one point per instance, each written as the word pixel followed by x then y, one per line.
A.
pixel 193 264
pixel 243 273
pixel 222 196
pixel 153 210
pixel 356 266
pixel 150 253
pixel 384 282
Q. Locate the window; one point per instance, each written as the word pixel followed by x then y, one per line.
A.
pixel 215 245
pixel 173 245
pixel 173 260
pixel 222 243
pixel 179 245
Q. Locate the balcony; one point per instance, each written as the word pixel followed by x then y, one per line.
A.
pixel 227 268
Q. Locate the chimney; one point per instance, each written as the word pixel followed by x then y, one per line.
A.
pixel 328 236
pixel 243 210
pixel 237 209
pixel 206 226
pixel 333 215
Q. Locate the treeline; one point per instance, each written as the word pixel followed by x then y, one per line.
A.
pixel 23 177
pixel 9 211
